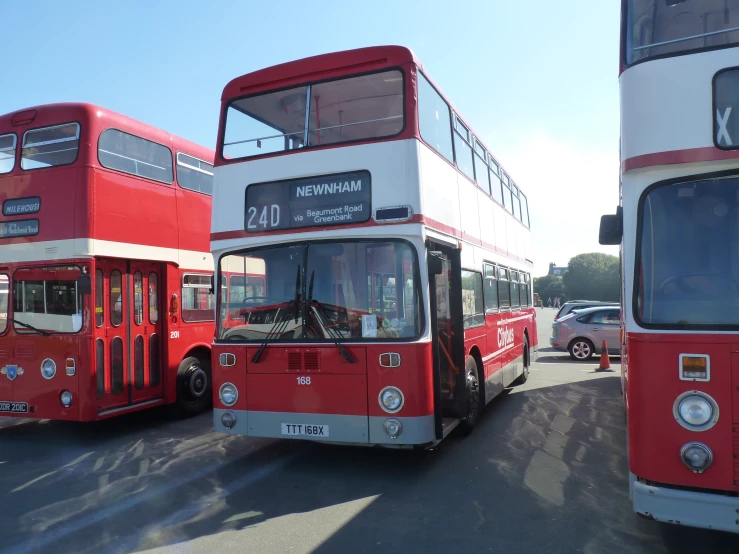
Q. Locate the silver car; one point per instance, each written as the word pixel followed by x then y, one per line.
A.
pixel 573 305
pixel 581 332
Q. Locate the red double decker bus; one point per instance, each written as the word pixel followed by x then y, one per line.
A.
pixel 105 274
pixel 678 227
pixel 373 257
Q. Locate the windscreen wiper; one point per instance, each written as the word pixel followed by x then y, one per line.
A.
pixel 31 327
pixel 279 324
pixel 332 332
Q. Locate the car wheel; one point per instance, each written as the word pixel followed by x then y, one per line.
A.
pixel 581 349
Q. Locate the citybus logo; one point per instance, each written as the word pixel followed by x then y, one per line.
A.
pixel 505 337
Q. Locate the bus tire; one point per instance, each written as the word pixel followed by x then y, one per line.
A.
pixel 194 386
pixel 526 364
pixel 474 396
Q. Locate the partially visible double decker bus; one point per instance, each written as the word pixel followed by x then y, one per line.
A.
pixel 388 256
pixel 678 226
pixel 105 272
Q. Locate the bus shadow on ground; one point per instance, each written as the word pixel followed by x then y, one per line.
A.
pixel 544 470
pixel 19 436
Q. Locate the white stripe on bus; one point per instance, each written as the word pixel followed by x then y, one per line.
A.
pixel 486 358
pixel 513 319
pixel 87 248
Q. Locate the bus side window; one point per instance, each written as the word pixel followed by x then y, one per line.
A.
pixel 116 298
pixel 472 300
pixel 504 291
pixel 197 298
pixel 490 286
pixel 99 298
pixel 4 291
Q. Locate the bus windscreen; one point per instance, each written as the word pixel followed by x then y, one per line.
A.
pixel 328 291
pixel 343 110
pixel 658 28
pixel 47 299
pixel 687 272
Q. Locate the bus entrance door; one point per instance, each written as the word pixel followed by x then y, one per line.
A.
pixel 128 344
pixel 447 336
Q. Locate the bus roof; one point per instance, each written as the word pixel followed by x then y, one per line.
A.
pixel 50 114
pixel 319 67
pixel 336 64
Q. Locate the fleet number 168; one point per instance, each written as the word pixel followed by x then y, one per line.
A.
pixel 303 380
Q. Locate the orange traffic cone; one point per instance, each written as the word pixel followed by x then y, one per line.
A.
pixel 605 362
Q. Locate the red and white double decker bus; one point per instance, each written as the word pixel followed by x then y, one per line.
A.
pixel 678 226
pixel 388 256
pixel 105 272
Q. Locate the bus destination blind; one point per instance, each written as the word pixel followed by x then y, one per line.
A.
pixel 337 199
pixel 19 228
pixel 726 116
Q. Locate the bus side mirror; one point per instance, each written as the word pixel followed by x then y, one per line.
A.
pixel 436 263
pixel 611 228
pixel 84 284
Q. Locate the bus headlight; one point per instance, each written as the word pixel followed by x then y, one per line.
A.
pixel 696 411
pixel 391 399
pixel 697 456
pixel 48 368
pixel 228 419
pixel 228 394
pixel 393 428
pixel 66 398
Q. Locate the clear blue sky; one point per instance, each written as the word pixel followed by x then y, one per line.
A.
pixel 537 80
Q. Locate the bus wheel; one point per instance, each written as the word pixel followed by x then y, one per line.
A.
pixel 581 349
pixel 194 393
pixel 474 398
pixel 526 364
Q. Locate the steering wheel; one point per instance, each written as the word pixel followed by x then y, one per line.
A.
pixel 678 280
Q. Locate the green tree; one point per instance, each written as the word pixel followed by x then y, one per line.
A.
pixel 549 286
pixel 593 276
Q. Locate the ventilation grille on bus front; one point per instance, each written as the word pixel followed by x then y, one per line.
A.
pixel 294 361
pixel 28 352
pixel 4 353
pixel 310 361
pixel 306 361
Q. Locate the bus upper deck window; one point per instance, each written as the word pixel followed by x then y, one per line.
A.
pixel 342 110
pixel 7 152
pixel 50 146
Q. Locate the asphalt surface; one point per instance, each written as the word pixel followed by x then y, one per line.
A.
pixel 544 471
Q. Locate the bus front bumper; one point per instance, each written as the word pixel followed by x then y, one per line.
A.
pixel 694 509
pixel 347 429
